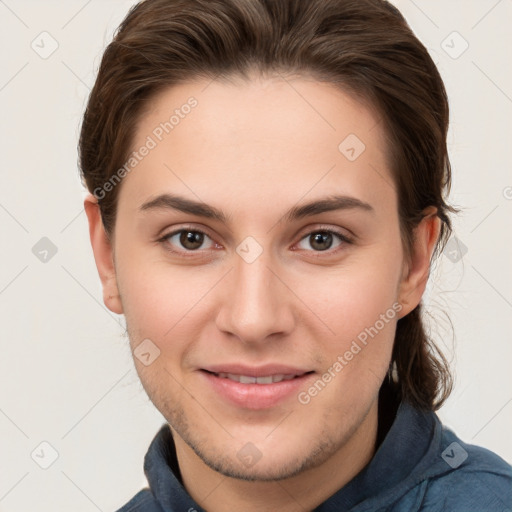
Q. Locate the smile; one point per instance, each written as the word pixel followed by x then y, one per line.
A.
pixel 247 379
pixel 256 389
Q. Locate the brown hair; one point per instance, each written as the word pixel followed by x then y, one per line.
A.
pixel 363 46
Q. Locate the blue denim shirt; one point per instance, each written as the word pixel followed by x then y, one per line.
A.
pixel 420 466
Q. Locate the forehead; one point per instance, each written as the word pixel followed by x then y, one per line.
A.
pixel 276 137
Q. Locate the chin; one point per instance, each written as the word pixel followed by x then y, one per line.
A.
pixel 280 458
pixel 264 467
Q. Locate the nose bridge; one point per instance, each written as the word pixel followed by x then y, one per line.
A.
pixel 256 304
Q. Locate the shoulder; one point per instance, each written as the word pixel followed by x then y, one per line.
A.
pixel 468 478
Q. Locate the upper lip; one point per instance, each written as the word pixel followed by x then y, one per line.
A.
pixel 256 371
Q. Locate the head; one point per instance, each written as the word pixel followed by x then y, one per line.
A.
pixel 268 183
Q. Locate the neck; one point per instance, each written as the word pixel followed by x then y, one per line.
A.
pixel 218 493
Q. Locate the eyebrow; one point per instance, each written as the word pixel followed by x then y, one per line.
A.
pixel 200 209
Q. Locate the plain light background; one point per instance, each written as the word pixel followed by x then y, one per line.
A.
pixel 67 377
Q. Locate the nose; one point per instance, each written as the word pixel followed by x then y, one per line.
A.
pixel 256 304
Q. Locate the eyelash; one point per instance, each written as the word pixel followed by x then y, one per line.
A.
pixel 164 240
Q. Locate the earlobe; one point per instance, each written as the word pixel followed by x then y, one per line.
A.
pixel 103 255
pixel 417 272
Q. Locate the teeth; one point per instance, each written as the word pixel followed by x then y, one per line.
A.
pixel 243 379
pixel 247 379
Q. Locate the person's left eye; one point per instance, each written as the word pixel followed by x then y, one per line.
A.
pixel 323 239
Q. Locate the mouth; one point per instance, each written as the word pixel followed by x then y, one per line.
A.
pixel 256 389
pixel 251 379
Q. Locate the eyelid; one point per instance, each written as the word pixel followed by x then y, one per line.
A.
pixel 343 234
pixel 183 227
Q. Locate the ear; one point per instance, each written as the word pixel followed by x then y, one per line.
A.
pixel 416 271
pixel 103 255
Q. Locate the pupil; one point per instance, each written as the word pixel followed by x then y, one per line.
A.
pixel 321 241
pixel 191 239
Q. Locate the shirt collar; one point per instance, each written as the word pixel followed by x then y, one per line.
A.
pixel 406 452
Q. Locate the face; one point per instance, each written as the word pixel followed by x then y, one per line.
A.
pixel 260 269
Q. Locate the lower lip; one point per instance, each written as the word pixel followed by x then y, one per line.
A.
pixel 256 396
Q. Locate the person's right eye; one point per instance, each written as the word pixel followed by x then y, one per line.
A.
pixel 187 240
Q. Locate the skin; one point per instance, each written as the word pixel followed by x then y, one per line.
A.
pixel 254 150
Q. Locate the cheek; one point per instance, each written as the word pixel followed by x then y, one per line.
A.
pixel 364 322
pixel 361 312
pixel 352 297
pixel 358 302
pixel 162 302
